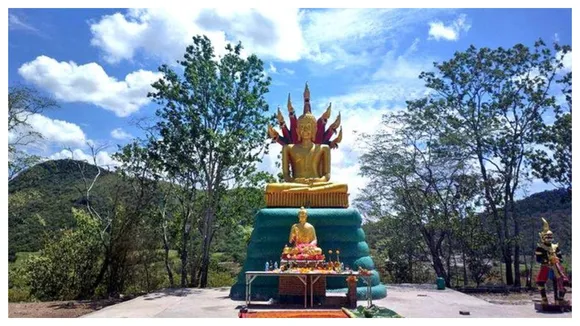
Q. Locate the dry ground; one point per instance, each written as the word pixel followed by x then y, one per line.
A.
pixel 56 309
pixel 73 309
pixel 516 298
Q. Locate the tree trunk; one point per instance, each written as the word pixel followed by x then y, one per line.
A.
pixel 440 269
pixel 528 273
pixel 501 272
pixel 146 267
pixel 207 233
pixel 531 273
pixel 194 272
pixel 410 263
pixel 194 264
pixel 517 280
pixel 509 277
pixel 166 258
pixel 517 273
pixel 507 253
pixel 448 260
pixel 464 266
pixel 184 238
pixel 434 250
pixel 204 268
pixel 503 236
pixel 102 272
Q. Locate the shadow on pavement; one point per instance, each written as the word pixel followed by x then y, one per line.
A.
pixel 171 292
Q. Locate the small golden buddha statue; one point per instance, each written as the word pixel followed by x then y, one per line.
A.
pixel 306 159
pixel 302 232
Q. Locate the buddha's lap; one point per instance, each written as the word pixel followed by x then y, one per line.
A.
pixel 298 187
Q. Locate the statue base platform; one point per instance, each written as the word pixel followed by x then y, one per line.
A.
pixel 306 199
pixel 552 307
pixel 336 228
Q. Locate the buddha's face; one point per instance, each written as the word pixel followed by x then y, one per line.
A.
pixel 307 127
pixel 306 130
pixel 302 217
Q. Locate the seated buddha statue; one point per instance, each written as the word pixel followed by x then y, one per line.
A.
pixel 302 232
pixel 303 240
pixel 306 159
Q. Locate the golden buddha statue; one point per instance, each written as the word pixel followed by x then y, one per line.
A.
pixel 302 232
pixel 303 240
pixel 306 161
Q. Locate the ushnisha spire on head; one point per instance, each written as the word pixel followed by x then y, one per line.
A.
pixel 307 108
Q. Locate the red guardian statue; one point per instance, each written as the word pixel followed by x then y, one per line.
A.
pixel 548 254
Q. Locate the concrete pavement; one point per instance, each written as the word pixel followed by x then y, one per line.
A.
pixel 411 301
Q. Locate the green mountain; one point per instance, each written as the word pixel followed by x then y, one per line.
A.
pixel 553 205
pixel 40 199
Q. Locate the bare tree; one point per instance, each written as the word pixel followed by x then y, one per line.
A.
pixel 23 102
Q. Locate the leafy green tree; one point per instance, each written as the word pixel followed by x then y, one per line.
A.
pixel 65 268
pixel 236 216
pixel 489 103
pixel 557 138
pixel 399 259
pixel 415 180
pixel 212 125
pixel 478 248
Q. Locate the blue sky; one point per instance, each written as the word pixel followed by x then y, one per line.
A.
pixel 99 63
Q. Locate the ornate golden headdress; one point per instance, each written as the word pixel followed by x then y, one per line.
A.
pixel 320 134
pixel 545 230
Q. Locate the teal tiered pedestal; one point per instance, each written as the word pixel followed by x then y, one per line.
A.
pixel 336 228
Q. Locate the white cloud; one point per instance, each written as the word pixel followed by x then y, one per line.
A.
pixel 165 32
pixel 120 134
pixel 403 68
pixel 363 106
pixel 269 160
pixel 14 22
pixel 414 46
pixel 54 131
pixel 567 61
pixel 272 69
pixel 438 30
pixel 345 159
pixel 288 71
pixel 90 83
pixel 346 36
pixel 391 84
pixel 103 158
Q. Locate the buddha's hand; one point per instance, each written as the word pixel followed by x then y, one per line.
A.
pixel 301 180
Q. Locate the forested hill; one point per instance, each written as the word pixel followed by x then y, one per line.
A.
pixel 41 198
pixel 553 205
pixel 45 194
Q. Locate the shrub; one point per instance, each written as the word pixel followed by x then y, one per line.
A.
pixel 18 295
pixel 66 268
pixel 220 279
